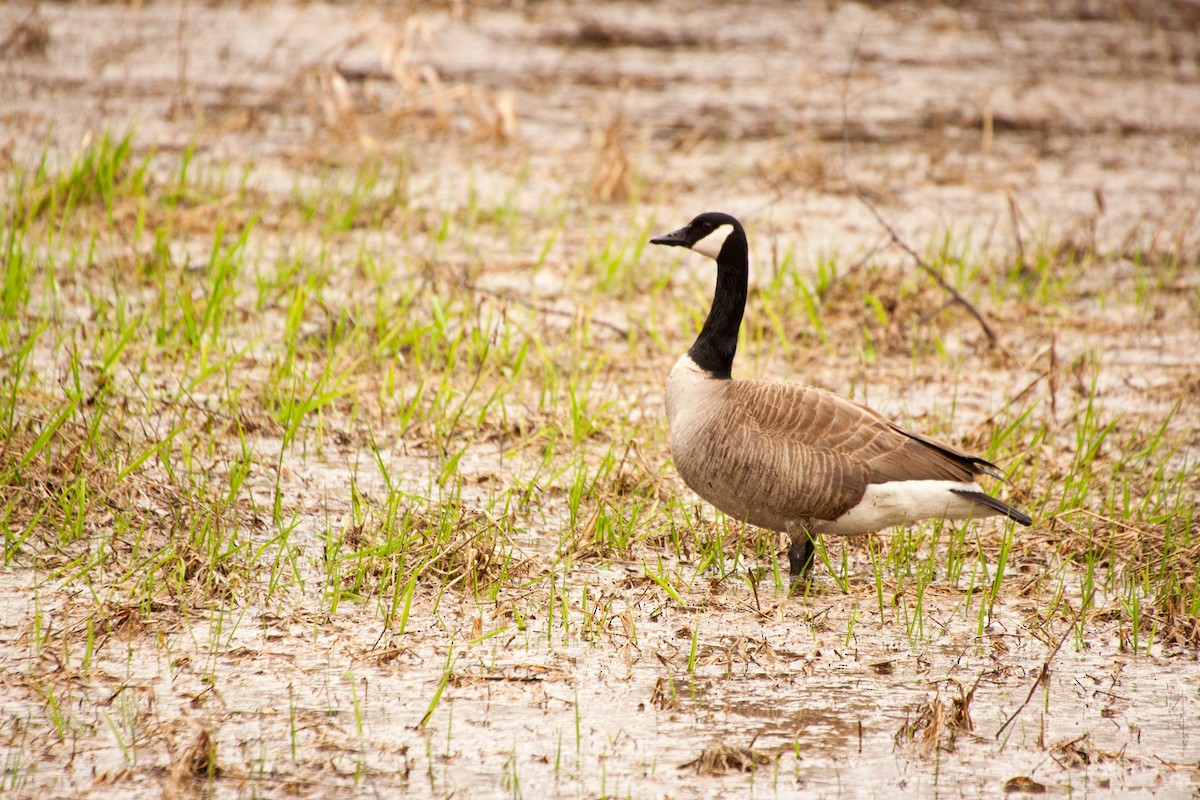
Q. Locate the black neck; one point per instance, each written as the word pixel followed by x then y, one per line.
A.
pixel 716 345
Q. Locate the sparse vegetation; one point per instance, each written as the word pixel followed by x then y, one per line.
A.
pixel 365 481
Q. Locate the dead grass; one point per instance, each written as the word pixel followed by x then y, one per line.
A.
pixel 726 759
pixel 333 441
pixel 192 767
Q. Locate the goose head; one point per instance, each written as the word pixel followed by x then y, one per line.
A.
pixel 722 238
pixel 708 234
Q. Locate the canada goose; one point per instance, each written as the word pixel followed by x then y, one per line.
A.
pixel 794 458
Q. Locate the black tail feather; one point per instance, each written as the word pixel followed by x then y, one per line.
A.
pixel 1004 508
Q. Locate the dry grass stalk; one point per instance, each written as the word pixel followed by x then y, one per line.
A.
pixel 960 713
pixel 612 172
pixel 430 101
pixel 396 51
pixel 494 115
pixel 924 731
pixel 663 697
pixel 193 766
pixel 337 106
pixel 727 759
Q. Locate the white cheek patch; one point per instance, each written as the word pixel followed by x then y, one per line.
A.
pixel 711 245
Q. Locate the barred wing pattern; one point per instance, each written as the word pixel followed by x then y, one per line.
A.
pixel 816 452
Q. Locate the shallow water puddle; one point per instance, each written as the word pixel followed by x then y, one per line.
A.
pixel 579 675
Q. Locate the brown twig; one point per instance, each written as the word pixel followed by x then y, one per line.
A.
pixel 895 237
pixel 1044 672
pixel 955 295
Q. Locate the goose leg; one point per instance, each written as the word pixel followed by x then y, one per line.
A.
pixel 800 555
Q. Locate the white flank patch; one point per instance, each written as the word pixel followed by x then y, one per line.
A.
pixel 898 502
pixel 711 245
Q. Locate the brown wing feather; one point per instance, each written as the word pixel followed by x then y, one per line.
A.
pixel 836 446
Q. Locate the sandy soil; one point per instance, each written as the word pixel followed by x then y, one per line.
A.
pixel 1004 127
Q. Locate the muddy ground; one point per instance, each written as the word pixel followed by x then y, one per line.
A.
pixel 997 128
